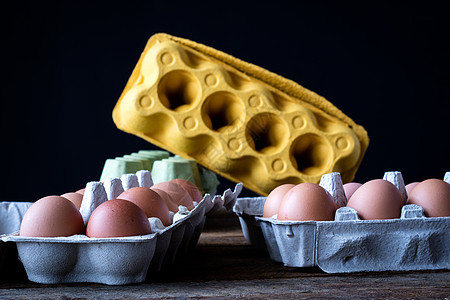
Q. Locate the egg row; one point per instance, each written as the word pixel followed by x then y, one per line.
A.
pixel 375 199
pixel 115 260
pixel 352 242
pixel 88 212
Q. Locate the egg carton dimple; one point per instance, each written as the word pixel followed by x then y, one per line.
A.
pixel 348 244
pixel 114 261
pixel 242 122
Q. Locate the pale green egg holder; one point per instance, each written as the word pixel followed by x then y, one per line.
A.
pixel 163 168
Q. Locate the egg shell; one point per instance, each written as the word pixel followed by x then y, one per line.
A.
pixel 410 186
pixel 117 218
pixel 178 194
pixel 350 188
pixel 377 199
pixel 191 188
pixel 149 201
pixel 80 191
pixel 433 195
pixel 75 198
pixel 173 207
pixel 274 199
pixel 306 202
pixel 52 216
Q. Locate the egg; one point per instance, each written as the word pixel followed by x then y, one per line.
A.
pixel 75 198
pixel 410 186
pixel 191 188
pixel 117 218
pixel 377 199
pixel 167 199
pixel 149 201
pixel 305 202
pixel 274 198
pixel 177 193
pixel 80 191
pixel 350 188
pixel 52 216
pixel 433 195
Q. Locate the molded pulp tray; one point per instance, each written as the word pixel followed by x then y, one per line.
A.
pixel 115 261
pixel 347 244
pixel 11 214
pixel 240 121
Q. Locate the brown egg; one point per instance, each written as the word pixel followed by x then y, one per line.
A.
pixel 75 198
pixel 149 201
pixel 410 186
pixel 178 194
pixel 166 197
pixel 274 199
pixel 377 199
pixel 191 188
pixel 52 216
pixel 80 191
pixel 305 202
pixel 433 195
pixel 350 188
pixel 116 218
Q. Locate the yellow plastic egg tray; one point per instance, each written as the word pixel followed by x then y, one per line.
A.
pixel 239 120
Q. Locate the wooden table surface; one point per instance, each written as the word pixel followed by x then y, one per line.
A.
pixel 224 265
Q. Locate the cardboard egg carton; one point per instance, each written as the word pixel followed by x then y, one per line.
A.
pixel 11 214
pixel 121 260
pixel 163 167
pixel 241 121
pixel 348 244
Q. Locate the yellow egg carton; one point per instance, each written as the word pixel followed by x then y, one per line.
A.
pixel 239 120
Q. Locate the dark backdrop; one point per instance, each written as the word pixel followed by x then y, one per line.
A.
pixel 65 65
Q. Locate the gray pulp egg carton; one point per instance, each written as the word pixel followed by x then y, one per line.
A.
pixel 121 260
pixel 348 244
pixel 11 214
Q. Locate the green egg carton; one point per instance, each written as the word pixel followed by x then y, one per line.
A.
pixel 146 163
pixel 115 167
pixel 163 167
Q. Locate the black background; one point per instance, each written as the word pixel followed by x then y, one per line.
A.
pixel 65 65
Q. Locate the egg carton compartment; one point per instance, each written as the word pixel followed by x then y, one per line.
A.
pixel 121 260
pixel 241 121
pixel 348 244
pixel 11 214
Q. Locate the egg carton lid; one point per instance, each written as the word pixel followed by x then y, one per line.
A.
pixel 170 66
